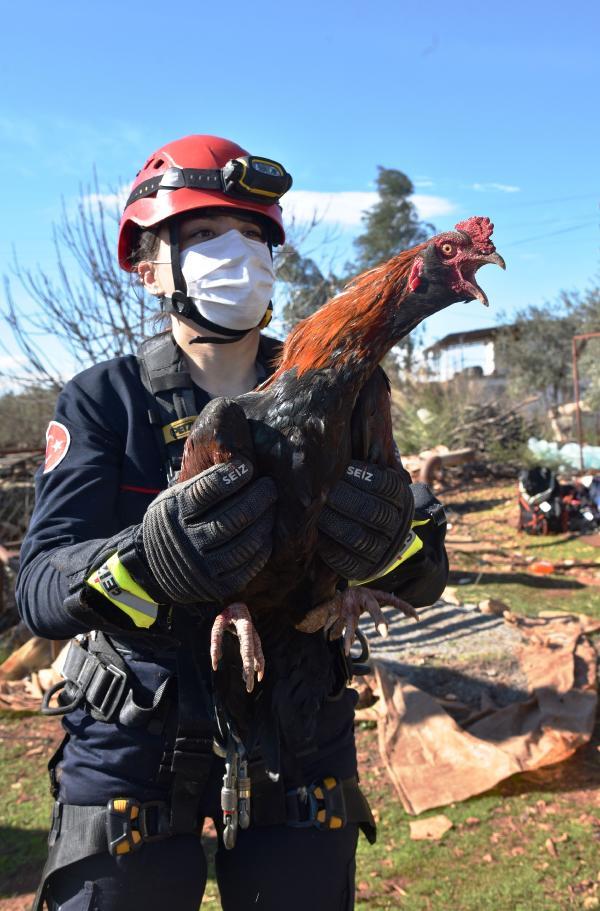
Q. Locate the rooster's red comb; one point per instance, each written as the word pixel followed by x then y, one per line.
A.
pixel 479 228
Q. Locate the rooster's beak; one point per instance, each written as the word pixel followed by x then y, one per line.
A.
pixel 493 259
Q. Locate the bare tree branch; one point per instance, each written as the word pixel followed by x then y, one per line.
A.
pixel 92 308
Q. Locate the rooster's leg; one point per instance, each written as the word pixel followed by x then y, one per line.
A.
pixel 238 616
pixel 342 613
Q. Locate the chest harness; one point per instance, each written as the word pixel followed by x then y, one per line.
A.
pixel 96 675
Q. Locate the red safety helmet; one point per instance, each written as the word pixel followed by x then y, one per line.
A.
pixel 192 153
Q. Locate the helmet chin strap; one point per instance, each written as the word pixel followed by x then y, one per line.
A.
pixel 181 305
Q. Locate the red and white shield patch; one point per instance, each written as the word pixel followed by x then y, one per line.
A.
pixel 58 440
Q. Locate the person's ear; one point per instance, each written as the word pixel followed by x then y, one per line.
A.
pixel 149 278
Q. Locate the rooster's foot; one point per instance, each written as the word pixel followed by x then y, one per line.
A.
pixel 238 616
pixel 342 613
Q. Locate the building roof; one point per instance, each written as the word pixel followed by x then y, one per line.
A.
pixel 457 339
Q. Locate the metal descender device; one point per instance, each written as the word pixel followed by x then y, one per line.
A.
pixel 235 793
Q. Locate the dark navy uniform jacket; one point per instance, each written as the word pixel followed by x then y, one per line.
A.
pixel 104 484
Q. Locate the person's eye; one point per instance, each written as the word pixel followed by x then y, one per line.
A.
pixel 198 235
pixel 254 234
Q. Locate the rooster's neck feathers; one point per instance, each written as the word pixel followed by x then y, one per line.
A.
pixel 353 327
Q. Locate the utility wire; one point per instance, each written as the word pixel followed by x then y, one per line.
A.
pixel 545 202
pixel 538 222
pixel 526 240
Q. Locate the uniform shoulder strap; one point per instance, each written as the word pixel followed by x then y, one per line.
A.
pixel 172 400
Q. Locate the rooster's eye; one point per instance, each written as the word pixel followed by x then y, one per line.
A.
pixel 447 249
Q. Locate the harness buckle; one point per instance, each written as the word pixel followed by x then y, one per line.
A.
pixel 129 824
pixel 105 690
pixel 322 805
pixel 349 666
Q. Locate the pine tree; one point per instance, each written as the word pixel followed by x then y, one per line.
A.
pixel 392 224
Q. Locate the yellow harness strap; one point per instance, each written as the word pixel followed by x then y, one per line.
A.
pixel 114 582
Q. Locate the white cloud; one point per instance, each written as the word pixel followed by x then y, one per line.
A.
pixel 10 361
pixel 432 206
pixel 491 187
pixel 108 200
pixel 347 207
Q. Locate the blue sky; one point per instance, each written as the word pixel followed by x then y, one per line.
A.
pixel 490 110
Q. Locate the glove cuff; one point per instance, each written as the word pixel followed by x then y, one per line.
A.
pixel 132 557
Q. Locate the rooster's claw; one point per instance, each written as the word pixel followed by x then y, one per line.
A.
pixel 253 660
pixel 341 614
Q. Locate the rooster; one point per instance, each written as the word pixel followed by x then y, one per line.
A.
pixel 325 404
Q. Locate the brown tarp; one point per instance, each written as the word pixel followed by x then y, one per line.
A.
pixel 434 761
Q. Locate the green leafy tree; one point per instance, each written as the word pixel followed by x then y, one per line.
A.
pixel 392 224
pixel 307 288
pixel 536 350
pixel 587 308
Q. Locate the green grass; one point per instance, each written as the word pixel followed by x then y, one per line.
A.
pixel 495 858
pixel 25 802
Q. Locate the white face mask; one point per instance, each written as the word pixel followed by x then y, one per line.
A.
pixel 230 278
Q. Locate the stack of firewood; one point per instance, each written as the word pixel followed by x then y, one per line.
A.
pixel 16 493
pixel 16 505
pixel 499 438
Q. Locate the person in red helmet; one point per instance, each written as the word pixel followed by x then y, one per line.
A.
pixel 135 565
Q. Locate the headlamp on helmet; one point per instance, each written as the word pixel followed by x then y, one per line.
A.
pixel 247 177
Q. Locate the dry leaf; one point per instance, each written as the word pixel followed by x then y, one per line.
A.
pixel 35 751
pixel 550 847
pixel 397 887
pixel 487 858
pixel 431 829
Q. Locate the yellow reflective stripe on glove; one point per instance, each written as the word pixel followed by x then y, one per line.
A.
pixel 412 545
pixel 114 582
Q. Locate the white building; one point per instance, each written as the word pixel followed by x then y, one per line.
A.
pixel 471 354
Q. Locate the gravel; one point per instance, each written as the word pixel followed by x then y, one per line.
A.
pixel 457 654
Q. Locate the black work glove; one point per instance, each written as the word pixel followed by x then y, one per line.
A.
pixel 205 538
pixel 365 520
pixel 421 578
